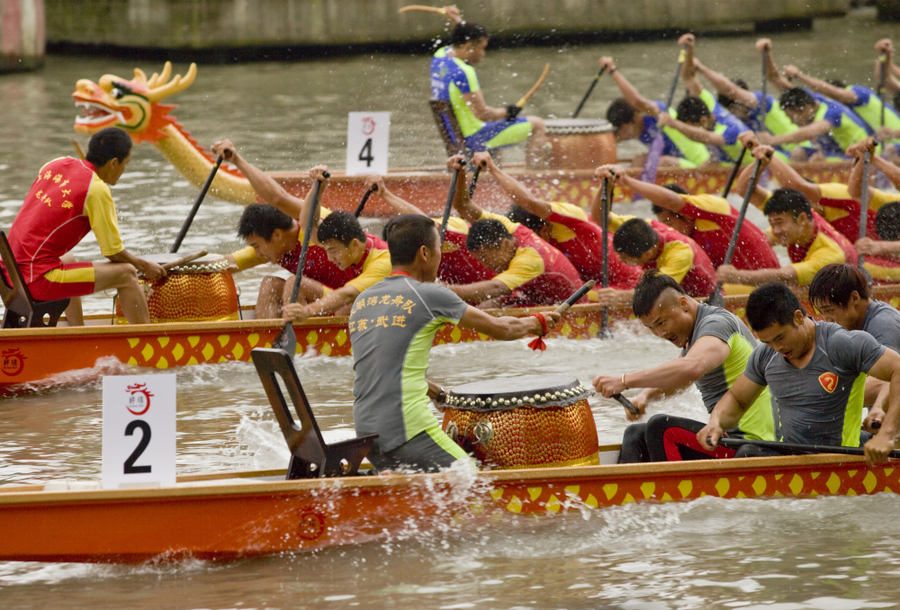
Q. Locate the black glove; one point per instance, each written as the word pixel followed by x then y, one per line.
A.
pixel 512 111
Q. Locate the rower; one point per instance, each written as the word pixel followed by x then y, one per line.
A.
pixel 349 261
pixel 69 198
pixel 829 125
pixel 453 80
pixel 529 270
pixel 392 328
pixel 701 118
pixel 802 231
pixel 815 372
pixel 636 117
pixel 564 226
pixel 714 344
pixel 707 219
pixel 841 294
pixel 886 268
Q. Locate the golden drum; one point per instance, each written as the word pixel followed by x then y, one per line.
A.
pixel 544 422
pixel 577 144
pixel 199 291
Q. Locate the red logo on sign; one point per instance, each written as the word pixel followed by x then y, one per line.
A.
pixel 829 381
pixel 139 401
pixel 368 126
pixel 13 361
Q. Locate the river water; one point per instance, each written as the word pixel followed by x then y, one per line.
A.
pixel 782 554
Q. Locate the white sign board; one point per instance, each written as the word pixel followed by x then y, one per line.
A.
pixel 368 134
pixel 138 430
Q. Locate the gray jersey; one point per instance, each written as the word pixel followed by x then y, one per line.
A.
pixel 822 402
pixel 883 322
pixel 392 326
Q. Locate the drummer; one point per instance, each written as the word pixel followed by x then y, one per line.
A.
pixel 453 80
pixel 815 372
pixel 529 270
pixel 636 117
pixel 707 219
pixel 355 259
pixel 714 344
pixel 69 198
pixel 392 328
pixel 565 227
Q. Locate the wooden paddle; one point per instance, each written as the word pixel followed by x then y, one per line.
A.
pixel 651 164
pixel 80 151
pixel 795 448
pixel 450 197
pixel 286 339
pixel 605 333
pixel 365 198
pixel 193 212
pixel 588 94
pixel 536 86
pixel 716 299
pixel 420 7
pixel 734 173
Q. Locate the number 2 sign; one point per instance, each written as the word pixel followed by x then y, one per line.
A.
pixel 138 430
pixel 368 134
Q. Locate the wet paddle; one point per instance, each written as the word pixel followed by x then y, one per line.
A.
pixel 734 173
pixel 604 333
pixel 365 198
pixel 193 212
pixel 716 299
pixel 651 164
pixel 881 80
pixel 588 94
pixel 450 197
pixel 536 86
pixel 286 339
pixel 864 212
pixel 795 448
pixel 576 296
pixel 80 151
pixel 420 7
pixel 474 182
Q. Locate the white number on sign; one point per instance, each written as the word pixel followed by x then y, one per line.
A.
pixel 130 468
pixel 366 153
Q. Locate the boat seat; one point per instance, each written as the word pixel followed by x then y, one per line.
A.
pixel 311 456
pixel 451 134
pixel 22 311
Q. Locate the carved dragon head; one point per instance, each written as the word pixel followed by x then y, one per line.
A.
pixel 132 105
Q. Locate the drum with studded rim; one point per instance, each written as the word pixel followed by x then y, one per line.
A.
pixel 530 421
pixel 199 291
pixel 576 144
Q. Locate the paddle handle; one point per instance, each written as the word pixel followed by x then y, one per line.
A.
pixel 450 197
pixel 576 296
pixel 474 183
pixel 734 173
pixel 881 81
pixel 419 7
pixel 681 58
pixel 185 259
pixel 765 79
pixel 604 250
pixel 588 94
pixel 737 443
pixel 365 198
pixel 304 250
pixel 536 86
pixel 864 206
pixel 193 212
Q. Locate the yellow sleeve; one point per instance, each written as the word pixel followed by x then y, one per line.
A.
pixel 510 225
pixel 823 251
pixel 568 209
pixel 676 260
pixel 708 203
pixel 101 213
pixel 834 190
pixel 247 257
pixel 880 198
pixel 526 265
pixel 376 268
pixel 616 221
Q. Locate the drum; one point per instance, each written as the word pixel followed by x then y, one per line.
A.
pixel 577 144
pixel 198 291
pixel 531 421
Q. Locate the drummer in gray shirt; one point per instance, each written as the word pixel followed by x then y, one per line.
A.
pixel 841 294
pixel 816 372
pixel 392 327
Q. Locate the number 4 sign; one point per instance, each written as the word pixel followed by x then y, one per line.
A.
pixel 368 134
pixel 138 430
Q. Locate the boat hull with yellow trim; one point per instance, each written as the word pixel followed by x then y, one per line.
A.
pixel 261 513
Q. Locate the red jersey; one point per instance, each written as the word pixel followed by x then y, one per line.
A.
pixel 67 200
pixel 714 225
pixel 319 268
pixel 883 269
pixel 458 266
pixel 682 259
pixel 581 241
pixel 845 244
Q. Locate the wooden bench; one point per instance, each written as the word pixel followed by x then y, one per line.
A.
pixel 22 311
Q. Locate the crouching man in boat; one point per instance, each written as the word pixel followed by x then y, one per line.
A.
pixel 69 198
pixel 343 260
pixel 529 270
pixel 715 346
pixel 392 327
pixel 816 372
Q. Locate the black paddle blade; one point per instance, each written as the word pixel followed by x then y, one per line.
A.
pixel 626 403
pixel 286 340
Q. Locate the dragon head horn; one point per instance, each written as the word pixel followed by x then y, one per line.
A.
pixel 160 89
pixel 158 79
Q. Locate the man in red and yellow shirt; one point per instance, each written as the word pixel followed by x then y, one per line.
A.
pixel 356 260
pixel 69 199
pixel 529 270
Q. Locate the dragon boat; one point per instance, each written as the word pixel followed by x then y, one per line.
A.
pixel 136 105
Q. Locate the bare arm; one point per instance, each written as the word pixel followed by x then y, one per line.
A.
pixel 149 269
pixel 729 274
pixel 480 291
pixel 697 134
pixel 844 96
pixel 725 87
pixel 775 77
pixel 890 170
pixel 807 132
pixel 481 110
pixel 788 177
pixel 728 411
pixel 629 92
pixel 506 328
pixel 470 212
pixel 688 70
pixel 331 302
pixel 887 369
pixel 401 206
pixel 520 195
pixel 659 195
pixel 855 181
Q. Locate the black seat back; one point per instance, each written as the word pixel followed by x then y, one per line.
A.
pixel 22 311
pixel 451 134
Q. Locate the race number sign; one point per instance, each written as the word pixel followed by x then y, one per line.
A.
pixel 138 430
pixel 368 134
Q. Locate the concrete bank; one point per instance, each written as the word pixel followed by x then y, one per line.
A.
pixel 234 30
pixel 22 41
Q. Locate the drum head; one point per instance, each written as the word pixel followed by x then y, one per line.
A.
pixel 509 392
pixel 563 126
pixel 211 263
